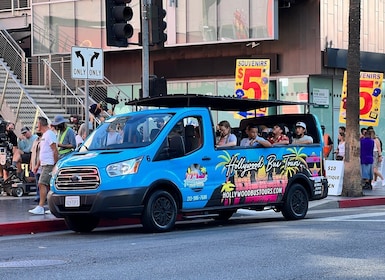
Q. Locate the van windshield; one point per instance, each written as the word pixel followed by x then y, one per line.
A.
pixel 126 132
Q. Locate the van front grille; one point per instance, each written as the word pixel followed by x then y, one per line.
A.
pixel 83 178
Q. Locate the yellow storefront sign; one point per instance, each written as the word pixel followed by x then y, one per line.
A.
pixel 370 98
pixel 252 81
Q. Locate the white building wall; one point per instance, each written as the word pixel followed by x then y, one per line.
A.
pixel 334 16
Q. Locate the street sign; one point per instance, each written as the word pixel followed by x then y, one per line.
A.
pixel 87 63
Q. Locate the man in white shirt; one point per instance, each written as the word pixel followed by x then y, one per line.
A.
pixel 48 157
pixel 300 137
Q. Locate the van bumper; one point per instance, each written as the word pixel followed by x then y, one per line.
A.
pixel 110 204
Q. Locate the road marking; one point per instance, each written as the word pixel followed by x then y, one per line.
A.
pixel 356 217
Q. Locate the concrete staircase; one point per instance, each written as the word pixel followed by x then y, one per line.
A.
pixel 19 101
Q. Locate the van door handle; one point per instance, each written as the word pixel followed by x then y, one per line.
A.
pixel 206 158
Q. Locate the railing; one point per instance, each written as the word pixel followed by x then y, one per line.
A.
pixel 14 5
pixel 13 55
pixel 15 103
pixel 68 98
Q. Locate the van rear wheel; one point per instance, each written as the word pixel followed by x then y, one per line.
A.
pixel 160 212
pixel 296 204
pixel 81 223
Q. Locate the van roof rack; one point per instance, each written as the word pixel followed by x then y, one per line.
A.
pixel 220 103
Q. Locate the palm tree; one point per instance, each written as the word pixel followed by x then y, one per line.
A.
pixel 352 179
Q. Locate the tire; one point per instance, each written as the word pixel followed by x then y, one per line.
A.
pixel 81 223
pixel 296 204
pixel 18 192
pixel 160 212
pixel 224 215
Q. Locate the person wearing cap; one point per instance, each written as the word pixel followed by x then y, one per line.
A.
pixel 22 155
pixel 300 137
pixel 328 143
pixel 279 137
pixel 66 138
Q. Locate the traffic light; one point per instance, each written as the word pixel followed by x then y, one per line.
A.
pixel 118 15
pixel 157 25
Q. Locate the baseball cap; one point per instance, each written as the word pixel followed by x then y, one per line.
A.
pixel 24 129
pixel 301 124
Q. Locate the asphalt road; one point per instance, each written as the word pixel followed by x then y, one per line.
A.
pixel 328 244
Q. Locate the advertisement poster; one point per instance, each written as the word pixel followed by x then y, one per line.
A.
pixel 335 175
pixel 370 98
pixel 252 81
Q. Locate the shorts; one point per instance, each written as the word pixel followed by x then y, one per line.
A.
pixel 367 171
pixel 26 158
pixel 376 163
pixel 45 176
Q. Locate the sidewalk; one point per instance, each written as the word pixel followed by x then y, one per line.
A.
pixel 15 219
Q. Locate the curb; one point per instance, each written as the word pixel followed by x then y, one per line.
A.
pixel 32 227
pixel 360 202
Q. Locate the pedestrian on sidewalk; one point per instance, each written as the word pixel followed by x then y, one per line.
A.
pixel 328 143
pixel 366 160
pixel 35 151
pixel 377 159
pixel 66 137
pixel 340 151
pixel 48 158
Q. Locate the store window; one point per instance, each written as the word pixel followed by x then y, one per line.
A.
pixel 293 89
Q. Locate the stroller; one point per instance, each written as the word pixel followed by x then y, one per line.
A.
pixel 17 185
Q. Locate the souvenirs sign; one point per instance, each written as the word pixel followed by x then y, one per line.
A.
pixel 252 81
pixel 370 98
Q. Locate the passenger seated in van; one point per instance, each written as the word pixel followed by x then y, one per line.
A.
pixel 265 132
pixel 113 136
pixel 253 140
pixel 279 137
pixel 226 139
pixel 300 137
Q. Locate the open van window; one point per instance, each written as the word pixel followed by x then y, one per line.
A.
pixel 125 132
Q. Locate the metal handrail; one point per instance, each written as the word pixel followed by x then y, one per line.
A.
pixel 62 81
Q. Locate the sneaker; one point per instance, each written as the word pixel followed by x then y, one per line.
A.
pixel 48 212
pixel 38 210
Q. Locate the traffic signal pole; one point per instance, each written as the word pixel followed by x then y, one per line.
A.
pixel 145 48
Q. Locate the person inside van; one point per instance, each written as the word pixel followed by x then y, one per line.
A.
pixel 226 139
pixel 300 137
pixel 279 137
pixel 253 140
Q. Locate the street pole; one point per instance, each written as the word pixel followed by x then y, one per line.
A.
pixel 86 105
pixel 145 48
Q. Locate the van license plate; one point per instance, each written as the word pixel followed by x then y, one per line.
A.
pixel 72 201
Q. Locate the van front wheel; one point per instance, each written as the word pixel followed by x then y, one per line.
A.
pixel 296 204
pixel 160 212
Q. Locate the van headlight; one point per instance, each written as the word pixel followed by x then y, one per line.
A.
pixel 126 167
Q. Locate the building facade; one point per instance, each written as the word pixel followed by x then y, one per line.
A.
pixel 305 41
